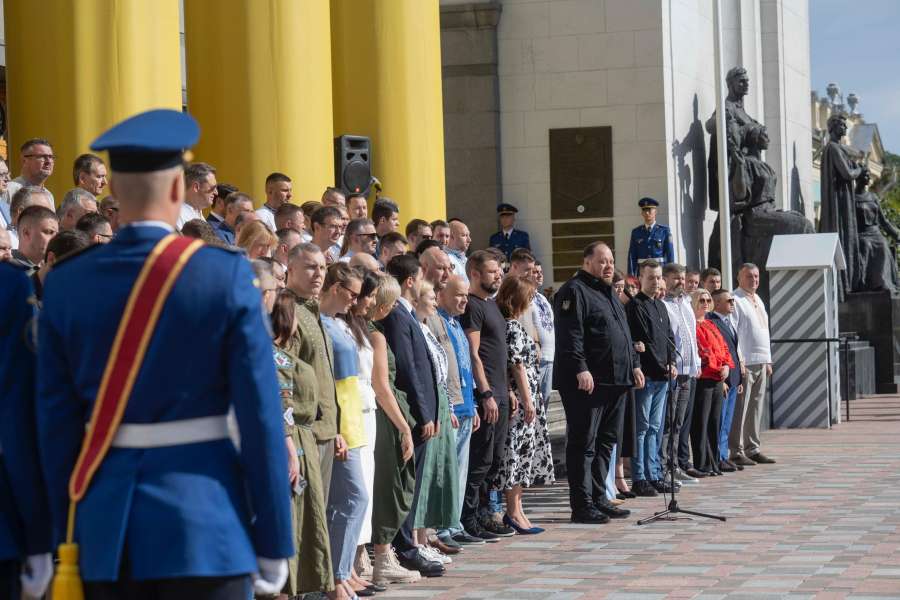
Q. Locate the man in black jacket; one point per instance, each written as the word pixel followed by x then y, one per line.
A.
pixel 723 308
pixel 595 365
pixel 649 323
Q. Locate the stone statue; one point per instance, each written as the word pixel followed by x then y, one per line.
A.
pixel 752 184
pixel 878 266
pixel 839 171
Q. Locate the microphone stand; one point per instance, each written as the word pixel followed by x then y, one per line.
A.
pixel 673 509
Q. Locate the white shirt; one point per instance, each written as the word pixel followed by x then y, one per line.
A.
pixel 541 315
pixel 188 213
pixel 458 258
pixel 752 323
pixel 405 304
pixel 267 216
pixel 13 239
pixel 684 327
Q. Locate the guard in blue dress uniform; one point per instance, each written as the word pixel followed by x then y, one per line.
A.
pixel 509 238
pixel 650 240
pixel 25 541
pixel 176 508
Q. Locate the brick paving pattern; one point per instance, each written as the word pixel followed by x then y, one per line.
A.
pixel 820 524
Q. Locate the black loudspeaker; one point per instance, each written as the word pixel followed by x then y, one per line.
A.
pixel 352 164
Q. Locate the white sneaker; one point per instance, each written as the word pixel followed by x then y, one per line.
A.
pixel 683 477
pixel 435 555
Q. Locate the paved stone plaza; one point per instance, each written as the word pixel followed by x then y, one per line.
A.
pixel 822 523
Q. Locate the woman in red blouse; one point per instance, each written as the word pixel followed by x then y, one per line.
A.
pixel 715 363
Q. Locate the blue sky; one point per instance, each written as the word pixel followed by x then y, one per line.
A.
pixel 857 45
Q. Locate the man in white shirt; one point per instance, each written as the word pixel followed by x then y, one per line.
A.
pixel 279 190
pixel 37 165
pixel 752 324
pixel 199 192
pixel 456 249
pixel 541 315
pixel 687 363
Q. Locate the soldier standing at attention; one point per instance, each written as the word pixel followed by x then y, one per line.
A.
pixel 509 238
pixel 159 499
pixel 650 240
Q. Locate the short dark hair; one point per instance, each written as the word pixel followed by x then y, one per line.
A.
pixel 648 264
pixel 287 209
pixel 425 245
pixel 224 189
pixel 277 177
pixel 402 267
pixel 196 172
pixel 322 213
pixel 34 142
pixel 304 248
pixel 478 259
pixel 200 229
pixel 673 269
pixel 414 226
pixel 356 225
pixel 719 292
pixel 521 255
pixel 589 249
pixel 235 197
pixel 384 208
pixel 285 233
pixel 392 237
pixel 309 207
pixel 440 223
pixel 36 213
pixel 709 272
pixel 691 271
pixel 83 164
pixel 332 191
pixel 91 222
pixel 65 243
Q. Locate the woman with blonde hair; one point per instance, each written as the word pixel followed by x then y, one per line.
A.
pixel 256 239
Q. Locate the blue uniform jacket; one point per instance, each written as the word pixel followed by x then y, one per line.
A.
pixel 655 243
pixel 200 509
pixel 517 239
pixel 225 233
pixel 24 515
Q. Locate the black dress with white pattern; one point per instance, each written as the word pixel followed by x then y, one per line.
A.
pixel 527 459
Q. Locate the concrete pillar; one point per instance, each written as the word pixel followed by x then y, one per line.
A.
pixel 259 83
pixel 75 67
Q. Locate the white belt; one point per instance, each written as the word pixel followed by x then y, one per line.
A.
pixel 172 433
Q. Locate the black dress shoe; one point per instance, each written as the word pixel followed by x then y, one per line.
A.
pixel 376 588
pixel 761 459
pixel 479 532
pixel 421 564
pixel 590 516
pixel 465 539
pixel 693 472
pixel 365 593
pixel 625 495
pixel 611 511
pixel 497 528
pixel 642 487
pixel 725 467
pixel 736 466
pixel 663 487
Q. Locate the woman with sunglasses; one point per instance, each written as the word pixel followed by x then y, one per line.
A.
pixel 715 365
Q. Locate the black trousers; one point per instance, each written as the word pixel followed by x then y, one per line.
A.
pixel 485 453
pixel 404 541
pixel 592 428
pixel 683 398
pixel 705 424
pixel 10 584
pixel 187 588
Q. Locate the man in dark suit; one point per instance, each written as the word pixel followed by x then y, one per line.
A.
pixel 723 307
pixel 415 377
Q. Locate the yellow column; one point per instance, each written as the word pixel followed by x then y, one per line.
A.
pixel 75 67
pixel 259 83
pixel 386 57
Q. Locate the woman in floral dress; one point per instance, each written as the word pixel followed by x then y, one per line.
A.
pixel 528 459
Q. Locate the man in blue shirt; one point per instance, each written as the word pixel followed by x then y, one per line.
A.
pixel 509 238
pixel 452 302
pixel 236 204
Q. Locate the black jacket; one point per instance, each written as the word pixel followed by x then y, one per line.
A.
pixel 649 323
pixel 591 335
pixel 731 340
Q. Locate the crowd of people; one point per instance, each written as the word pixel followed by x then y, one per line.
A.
pixel 415 375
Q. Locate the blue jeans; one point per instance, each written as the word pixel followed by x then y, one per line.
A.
pixel 545 380
pixel 463 436
pixel 346 511
pixel 725 425
pixel 650 406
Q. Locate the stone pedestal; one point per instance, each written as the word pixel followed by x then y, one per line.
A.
pixel 875 318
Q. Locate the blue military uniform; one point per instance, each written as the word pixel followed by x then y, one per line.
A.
pixel 507 242
pixel 193 509
pixel 24 515
pixel 650 242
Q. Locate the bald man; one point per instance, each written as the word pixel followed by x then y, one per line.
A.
pixel 366 261
pixel 456 248
pixel 436 267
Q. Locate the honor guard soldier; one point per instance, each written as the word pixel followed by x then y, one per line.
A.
pixel 509 238
pixel 145 345
pixel 25 532
pixel 650 240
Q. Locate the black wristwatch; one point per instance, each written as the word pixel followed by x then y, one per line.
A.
pixel 485 394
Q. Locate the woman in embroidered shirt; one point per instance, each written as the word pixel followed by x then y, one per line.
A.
pixel 715 364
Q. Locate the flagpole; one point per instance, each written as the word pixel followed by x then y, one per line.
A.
pixel 722 152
